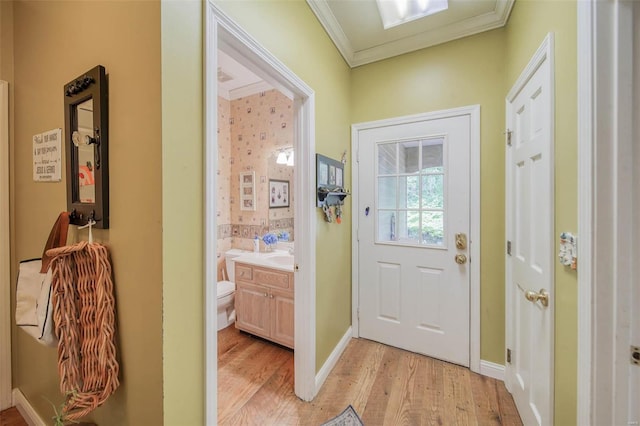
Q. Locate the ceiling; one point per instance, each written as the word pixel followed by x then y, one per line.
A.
pixel 356 28
pixel 235 80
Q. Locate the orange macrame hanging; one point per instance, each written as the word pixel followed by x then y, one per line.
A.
pixel 84 320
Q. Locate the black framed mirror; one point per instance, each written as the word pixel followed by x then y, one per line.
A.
pixel 87 142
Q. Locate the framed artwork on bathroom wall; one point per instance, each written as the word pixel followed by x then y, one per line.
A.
pixel 278 193
pixel 248 191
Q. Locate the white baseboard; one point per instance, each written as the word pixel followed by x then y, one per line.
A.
pixel 26 410
pixel 491 369
pixel 332 360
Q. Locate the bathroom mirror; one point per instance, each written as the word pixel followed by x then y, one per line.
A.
pixel 86 146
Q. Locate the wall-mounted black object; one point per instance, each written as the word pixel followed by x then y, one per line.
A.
pixel 330 181
pixel 86 109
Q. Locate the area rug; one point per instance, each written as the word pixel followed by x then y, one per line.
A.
pixel 348 417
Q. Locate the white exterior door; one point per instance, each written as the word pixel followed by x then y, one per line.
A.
pixel 413 200
pixel 529 277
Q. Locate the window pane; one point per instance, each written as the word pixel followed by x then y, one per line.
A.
pixel 386 226
pixel 433 191
pixel 409 192
pixel 409 157
pixel 387 158
pixel 387 192
pixel 409 227
pixel 432 228
pixel 432 155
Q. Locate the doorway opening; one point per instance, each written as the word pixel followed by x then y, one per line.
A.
pixel 223 35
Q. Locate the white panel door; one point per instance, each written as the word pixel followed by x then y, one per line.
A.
pixel 413 183
pixel 529 232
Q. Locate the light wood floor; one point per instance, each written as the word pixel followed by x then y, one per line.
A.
pixel 385 385
pixel 11 417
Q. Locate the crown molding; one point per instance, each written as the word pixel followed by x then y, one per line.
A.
pixel 477 24
pixel 330 24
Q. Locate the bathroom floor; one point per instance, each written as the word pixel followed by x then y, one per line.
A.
pixel 385 385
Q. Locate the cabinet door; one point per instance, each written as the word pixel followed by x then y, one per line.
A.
pixel 282 313
pixel 252 309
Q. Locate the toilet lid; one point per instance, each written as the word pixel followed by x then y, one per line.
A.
pixel 225 288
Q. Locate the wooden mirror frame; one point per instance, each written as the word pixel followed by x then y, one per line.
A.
pixel 90 85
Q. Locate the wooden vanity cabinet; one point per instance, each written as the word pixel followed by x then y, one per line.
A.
pixel 264 303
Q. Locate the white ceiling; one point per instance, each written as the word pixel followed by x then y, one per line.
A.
pixel 356 28
pixel 242 82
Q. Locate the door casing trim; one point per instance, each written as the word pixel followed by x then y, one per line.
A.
pixel 473 111
pixel 5 270
pixel 220 30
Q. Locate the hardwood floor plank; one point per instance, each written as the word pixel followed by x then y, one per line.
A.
pixel 507 408
pixel 385 385
pixel 485 399
pixel 11 417
pixel 244 375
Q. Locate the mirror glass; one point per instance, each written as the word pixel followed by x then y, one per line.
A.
pixel 86 154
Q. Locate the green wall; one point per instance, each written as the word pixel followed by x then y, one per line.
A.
pixel 464 72
pixel 183 212
pixel 291 32
pixel 481 70
pixel 529 24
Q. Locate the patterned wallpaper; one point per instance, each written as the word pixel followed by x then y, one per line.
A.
pixel 258 126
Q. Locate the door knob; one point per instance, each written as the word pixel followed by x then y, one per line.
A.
pixel 461 259
pixel 542 296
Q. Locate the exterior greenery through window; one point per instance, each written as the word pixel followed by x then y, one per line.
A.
pixel 411 202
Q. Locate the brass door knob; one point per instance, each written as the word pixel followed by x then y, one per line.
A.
pixel 542 296
pixel 461 259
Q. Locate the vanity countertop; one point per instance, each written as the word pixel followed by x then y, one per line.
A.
pixel 277 259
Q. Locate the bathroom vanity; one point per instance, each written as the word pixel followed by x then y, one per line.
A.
pixel 264 301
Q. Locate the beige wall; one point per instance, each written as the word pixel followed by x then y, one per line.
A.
pixel 292 33
pixel 464 72
pixel 529 24
pixel 55 42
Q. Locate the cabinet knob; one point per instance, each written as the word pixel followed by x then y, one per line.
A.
pixel 266 294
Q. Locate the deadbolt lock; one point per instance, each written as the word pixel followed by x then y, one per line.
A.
pixel 461 259
pixel 461 241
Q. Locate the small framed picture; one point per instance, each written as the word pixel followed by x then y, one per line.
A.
pixel 323 173
pixel 278 193
pixel 247 191
pixel 332 175
pixel 339 177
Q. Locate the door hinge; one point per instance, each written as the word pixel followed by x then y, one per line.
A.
pixel 358 313
pixel 509 248
pixel 508 133
pixel 509 355
pixel 635 355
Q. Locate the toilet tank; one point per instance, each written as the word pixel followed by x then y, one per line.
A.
pixel 229 263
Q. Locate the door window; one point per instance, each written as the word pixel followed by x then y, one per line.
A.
pixel 410 182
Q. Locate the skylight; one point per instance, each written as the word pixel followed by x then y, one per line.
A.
pixel 397 12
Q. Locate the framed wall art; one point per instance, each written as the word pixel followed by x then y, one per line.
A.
pixel 248 191
pixel 278 193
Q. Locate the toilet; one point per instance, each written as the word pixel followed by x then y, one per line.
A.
pixel 226 292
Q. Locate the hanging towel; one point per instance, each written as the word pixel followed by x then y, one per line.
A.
pixel 84 319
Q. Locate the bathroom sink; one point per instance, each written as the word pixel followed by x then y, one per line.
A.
pixel 282 260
